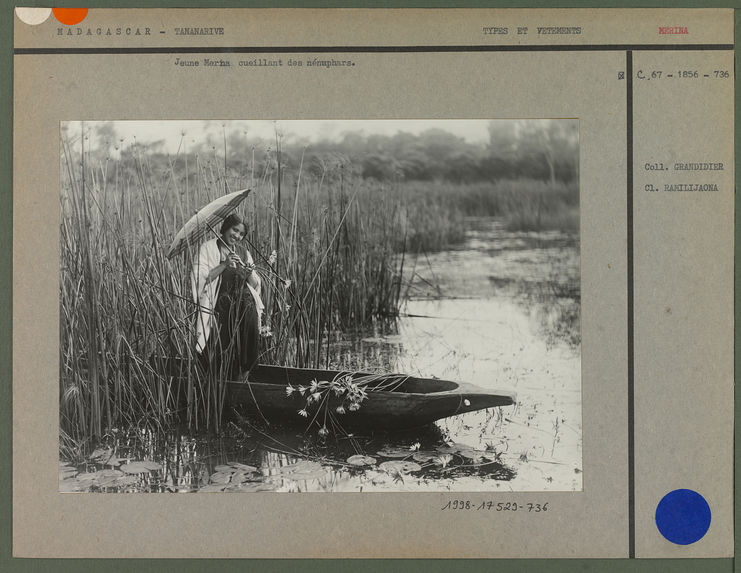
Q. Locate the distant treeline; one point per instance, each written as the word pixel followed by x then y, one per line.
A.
pixel 545 151
pixel 541 150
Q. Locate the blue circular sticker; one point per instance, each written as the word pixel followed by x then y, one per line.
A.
pixel 683 516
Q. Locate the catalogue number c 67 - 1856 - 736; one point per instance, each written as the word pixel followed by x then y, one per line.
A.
pixel 467 504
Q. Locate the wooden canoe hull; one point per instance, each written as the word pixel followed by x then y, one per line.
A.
pixel 414 402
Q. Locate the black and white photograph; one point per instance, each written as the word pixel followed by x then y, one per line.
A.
pixel 320 306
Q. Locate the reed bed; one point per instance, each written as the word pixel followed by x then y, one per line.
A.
pixel 327 250
pixel 331 248
pixel 523 204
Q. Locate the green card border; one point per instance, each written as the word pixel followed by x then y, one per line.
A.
pixel 10 564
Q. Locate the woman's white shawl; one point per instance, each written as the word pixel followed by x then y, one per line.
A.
pixel 205 293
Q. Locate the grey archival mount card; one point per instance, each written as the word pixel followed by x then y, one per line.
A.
pixel 373 283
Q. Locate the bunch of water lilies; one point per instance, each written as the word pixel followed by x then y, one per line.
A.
pixel 345 392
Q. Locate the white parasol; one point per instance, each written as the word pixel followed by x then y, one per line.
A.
pixel 204 221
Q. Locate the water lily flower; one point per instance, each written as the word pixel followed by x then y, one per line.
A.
pixel 316 396
pixel 303 413
pixel 289 390
pixel 265 332
pixel 340 409
pixel 354 406
pixel 314 386
pixel 301 390
pixel 323 431
pixel 414 447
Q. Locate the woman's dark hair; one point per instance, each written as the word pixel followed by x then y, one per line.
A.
pixel 231 221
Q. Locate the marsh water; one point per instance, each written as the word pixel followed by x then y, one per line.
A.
pixel 500 311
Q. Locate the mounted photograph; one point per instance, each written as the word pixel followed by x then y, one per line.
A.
pixel 320 306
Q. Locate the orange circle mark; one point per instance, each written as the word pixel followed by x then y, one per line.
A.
pixel 70 16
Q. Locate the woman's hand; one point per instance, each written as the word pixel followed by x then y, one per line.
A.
pixel 232 260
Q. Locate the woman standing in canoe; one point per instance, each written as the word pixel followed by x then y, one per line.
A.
pixel 227 291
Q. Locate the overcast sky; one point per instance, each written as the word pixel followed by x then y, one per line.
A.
pixel 197 131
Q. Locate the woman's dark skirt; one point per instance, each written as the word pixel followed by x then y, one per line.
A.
pixel 233 346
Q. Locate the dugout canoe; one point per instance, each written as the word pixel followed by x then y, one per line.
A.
pixel 396 402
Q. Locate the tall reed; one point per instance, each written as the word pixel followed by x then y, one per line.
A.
pixel 126 310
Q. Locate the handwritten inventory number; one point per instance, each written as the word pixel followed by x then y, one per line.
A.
pixel 466 504
pixel 681 74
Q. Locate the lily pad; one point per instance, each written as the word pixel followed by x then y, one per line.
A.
pixel 446 450
pixel 399 466
pixel 101 455
pixel 135 468
pixel 301 466
pixel 359 460
pixel 238 477
pixel 243 467
pixel 221 477
pixel 152 466
pixel 471 454
pixel 126 480
pixel 423 457
pixel 85 483
pixel 109 473
pixel 253 486
pixel 452 448
pixel 307 475
pixel 107 481
pixel 70 486
pixel 101 478
pixel 394 452
pixel 213 487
